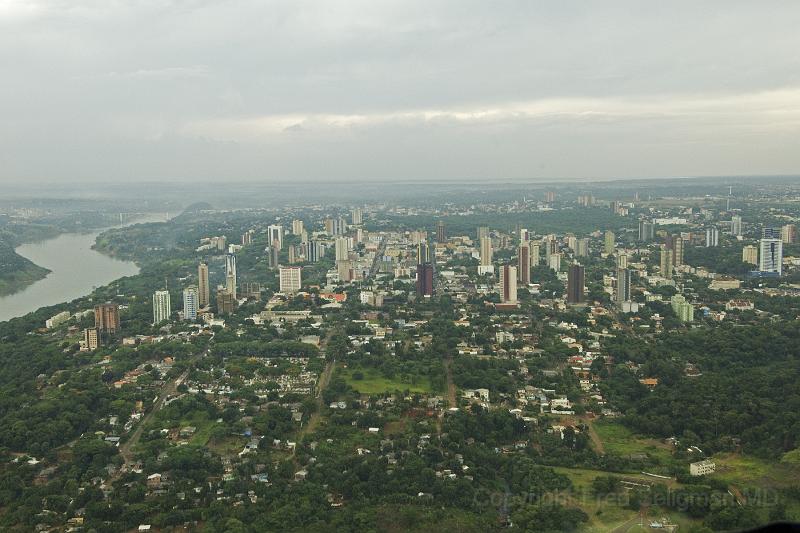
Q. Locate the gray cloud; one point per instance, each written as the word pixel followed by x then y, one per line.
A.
pixel 396 89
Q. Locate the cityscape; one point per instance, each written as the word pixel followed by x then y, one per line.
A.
pixel 457 364
pixel 418 266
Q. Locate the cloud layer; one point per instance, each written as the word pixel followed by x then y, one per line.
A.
pixel 240 90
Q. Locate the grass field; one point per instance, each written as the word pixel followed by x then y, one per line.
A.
pixel 620 440
pixel 374 383
pixel 748 471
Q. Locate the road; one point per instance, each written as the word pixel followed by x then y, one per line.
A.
pixel 377 262
pixel 126 449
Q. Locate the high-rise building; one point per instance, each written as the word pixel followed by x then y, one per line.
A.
pixel 273 255
pixel 534 248
pixel 712 237
pixel 335 226
pixel 203 290
pixel 622 261
pixel 551 247
pixel 676 244
pixel 297 227
pixel 769 232
pixel 292 253
pixel 550 197
pixel 423 253
pixel 344 269
pixel 162 309
pixel 789 234
pixel 524 235
pixel 666 262
pixel 424 279
pixel 106 318
pixel 554 262
pixel 290 279
pixel 314 251
pixel 275 234
pixel 247 238
pixel 750 255
pixel 770 258
pixel 230 274
pixel 582 247
pixel 483 231
pixel 441 234
pixel 91 338
pixel 508 284
pixel 682 308
pixel 486 251
pixel 647 231
pixel 575 282
pixel 190 303
pixel 609 240
pixel 623 286
pixel 524 264
pixel 342 249
pixel 357 216
pixel 226 302
pixel 736 225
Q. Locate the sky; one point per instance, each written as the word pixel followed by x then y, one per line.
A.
pixel 196 90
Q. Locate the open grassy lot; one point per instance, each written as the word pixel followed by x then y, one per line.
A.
pixel 620 440
pixel 372 382
pixel 747 471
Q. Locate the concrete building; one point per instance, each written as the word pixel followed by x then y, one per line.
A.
pixel 275 234
pixel 524 264
pixel 290 279
pixel 203 290
pixel 91 338
pixel 424 280
pixel 357 216
pixel 789 234
pixel 736 226
pixel 702 468
pixel 297 227
pixel 582 247
pixel 575 284
pixel 623 293
pixel 230 274
pixel 712 237
pixel 770 257
pixel 609 239
pixel 486 251
pixel 106 318
pixel 226 302
pixel 162 308
pixel 441 233
pixel 508 284
pixel 666 262
pixel 750 255
pixel 683 309
pixel 190 303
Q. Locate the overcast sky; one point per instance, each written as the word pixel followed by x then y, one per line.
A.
pixel 122 90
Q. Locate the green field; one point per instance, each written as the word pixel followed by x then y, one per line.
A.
pixel 748 471
pixel 620 440
pixel 374 383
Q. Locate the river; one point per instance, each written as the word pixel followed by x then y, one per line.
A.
pixel 76 270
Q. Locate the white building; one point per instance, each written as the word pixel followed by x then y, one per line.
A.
pixel 190 303
pixel 290 279
pixel 161 307
pixel 275 233
pixel 702 468
pixel 770 257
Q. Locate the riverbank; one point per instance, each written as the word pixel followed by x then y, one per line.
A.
pixel 72 269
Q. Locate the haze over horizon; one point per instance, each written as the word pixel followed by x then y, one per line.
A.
pixel 442 91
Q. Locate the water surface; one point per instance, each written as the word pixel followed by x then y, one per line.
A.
pixel 76 270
